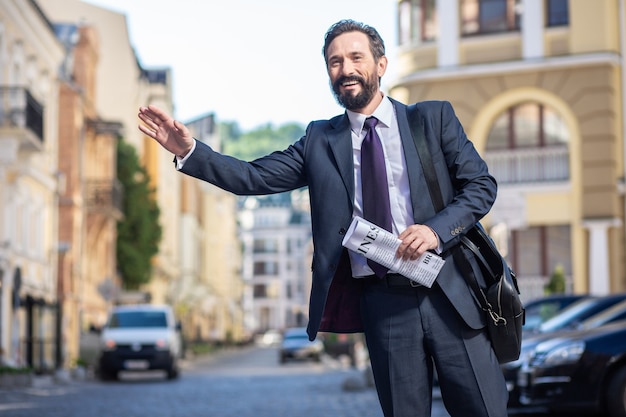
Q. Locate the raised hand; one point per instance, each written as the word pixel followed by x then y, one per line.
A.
pixel 171 134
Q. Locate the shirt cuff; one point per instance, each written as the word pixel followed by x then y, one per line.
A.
pixel 180 162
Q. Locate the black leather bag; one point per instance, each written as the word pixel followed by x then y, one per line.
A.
pixel 500 299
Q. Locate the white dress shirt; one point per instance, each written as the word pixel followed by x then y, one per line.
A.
pixel 397 177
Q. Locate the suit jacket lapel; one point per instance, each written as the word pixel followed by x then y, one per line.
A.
pixel 340 142
pixel 420 199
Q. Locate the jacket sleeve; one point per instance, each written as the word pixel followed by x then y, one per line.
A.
pixel 468 189
pixel 277 172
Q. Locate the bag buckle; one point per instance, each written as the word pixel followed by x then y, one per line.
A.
pixel 497 319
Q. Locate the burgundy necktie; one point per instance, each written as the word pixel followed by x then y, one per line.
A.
pixel 376 207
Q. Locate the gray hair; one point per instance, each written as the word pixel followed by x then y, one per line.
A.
pixel 377 46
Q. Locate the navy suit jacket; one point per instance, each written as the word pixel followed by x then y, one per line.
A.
pixel 322 161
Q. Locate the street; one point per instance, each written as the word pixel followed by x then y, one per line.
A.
pixel 245 382
pixel 241 383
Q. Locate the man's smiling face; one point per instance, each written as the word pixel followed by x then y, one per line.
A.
pixel 354 73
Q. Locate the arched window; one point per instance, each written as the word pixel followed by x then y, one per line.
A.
pixel 528 142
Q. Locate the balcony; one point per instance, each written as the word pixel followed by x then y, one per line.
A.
pixel 528 166
pixel 21 118
pixel 103 196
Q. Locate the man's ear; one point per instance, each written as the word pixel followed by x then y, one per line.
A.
pixel 382 66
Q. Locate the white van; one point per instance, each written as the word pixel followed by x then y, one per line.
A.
pixel 138 338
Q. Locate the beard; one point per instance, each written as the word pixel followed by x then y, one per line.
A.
pixel 351 101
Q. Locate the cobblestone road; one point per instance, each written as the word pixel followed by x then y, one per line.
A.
pixel 243 383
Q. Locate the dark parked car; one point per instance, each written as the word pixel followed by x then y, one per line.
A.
pixel 582 371
pixel 296 345
pixel 584 312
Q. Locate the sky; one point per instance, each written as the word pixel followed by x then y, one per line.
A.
pixel 250 61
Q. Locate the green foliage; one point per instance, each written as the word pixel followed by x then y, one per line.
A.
pixel 556 285
pixel 10 370
pixel 260 141
pixel 139 232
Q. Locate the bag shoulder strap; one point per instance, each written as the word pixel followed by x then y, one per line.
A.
pixel 416 123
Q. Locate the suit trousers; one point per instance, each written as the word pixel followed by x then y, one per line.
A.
pixel 407 331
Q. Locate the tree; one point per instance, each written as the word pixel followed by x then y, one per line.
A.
pixel 260 141
pixel 139 232
pixel 556 285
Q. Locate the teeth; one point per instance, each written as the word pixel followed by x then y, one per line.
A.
pixel 350 83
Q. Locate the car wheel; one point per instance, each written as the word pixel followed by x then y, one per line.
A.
pixel 616 394
pixel 172 370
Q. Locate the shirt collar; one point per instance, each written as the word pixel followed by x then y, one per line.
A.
pixel 384 113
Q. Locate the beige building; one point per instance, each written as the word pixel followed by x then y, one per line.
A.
pixel 90 201
pixel 30 56
pixel 122 86
pixel 211 279
pixel 538 86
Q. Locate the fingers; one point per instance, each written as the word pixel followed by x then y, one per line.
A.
pixel 416 240
pixel 154 119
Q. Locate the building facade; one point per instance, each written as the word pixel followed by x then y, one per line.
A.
pixel 212 287
pixel 538 86
pixel 275 232
pixel 30 56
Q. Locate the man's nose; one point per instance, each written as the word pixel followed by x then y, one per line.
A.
pixel 347 68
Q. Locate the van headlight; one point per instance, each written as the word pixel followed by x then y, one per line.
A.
pixel 109 344
pixel 564 354
pixel 162 344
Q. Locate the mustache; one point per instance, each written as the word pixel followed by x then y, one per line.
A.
pixel 345 78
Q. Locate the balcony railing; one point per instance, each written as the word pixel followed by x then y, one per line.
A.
pixel 103 195
pixel 530 165
pixel 18 109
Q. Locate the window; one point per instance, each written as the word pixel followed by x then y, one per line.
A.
pixel 527 125
pixel 259 291
pixel 528 143
pixel 557 13
pixel 265 268
pixel 539 250
pixel 138 319
pixel 265 246
pixel 417 21
pixel 489 16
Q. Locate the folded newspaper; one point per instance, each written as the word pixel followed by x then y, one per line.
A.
pixel 380 246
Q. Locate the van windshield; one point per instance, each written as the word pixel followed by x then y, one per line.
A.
pixel 122 319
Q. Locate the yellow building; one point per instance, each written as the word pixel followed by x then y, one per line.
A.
pixel 538 86
pixel 30 55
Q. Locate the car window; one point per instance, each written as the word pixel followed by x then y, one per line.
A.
pixel 615 313
pixel 125 319
pixel 296 336
pixel 539 313
pixel 577 312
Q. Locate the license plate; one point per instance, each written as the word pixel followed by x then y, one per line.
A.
pixel 136 364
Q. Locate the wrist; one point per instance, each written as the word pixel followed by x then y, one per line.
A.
pixel 184 153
